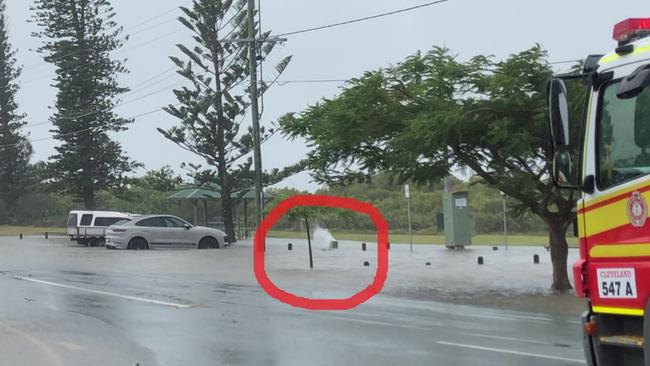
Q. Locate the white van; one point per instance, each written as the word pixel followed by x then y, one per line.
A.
pixel 88 228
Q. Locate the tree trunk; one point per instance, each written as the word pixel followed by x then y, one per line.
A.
pixel 89 198
pixel 227 217
pixel 12 207
pixel 226 201
pixel 559 256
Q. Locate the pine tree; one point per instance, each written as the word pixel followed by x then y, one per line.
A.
pixel 15 150
pixel 211 110
pixel 78 37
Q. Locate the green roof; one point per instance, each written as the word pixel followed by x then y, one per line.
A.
pixel 249 194
pixel 195 194
pixel 205 194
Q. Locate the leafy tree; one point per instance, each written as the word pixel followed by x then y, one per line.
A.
pixel 212 108
pixel 431 113
pixel 243 175
pixel 163 180
pixel 15 150
pixel 78 38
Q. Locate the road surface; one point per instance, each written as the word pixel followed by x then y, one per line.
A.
pixel 76 306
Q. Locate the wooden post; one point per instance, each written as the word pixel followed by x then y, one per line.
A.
pixel 205 212
pixel 237 209
pixel 246 218
pixel 195 209
pixel 311 258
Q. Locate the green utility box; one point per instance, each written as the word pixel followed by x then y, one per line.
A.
pixel 458 220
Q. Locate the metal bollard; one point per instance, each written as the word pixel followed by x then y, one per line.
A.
pixel 47 235
pixel 21 236
pixel 480 261
pixel 290 247
pixel 366 264
pixel 363 247
pixel 536 259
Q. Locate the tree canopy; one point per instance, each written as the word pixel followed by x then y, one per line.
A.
pixel 212 109
pixel 432 113
pixel 15 149
pixel 78 39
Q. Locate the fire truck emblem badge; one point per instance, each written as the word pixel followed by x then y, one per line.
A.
pixel 637 210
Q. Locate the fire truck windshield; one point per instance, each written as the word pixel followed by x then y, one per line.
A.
pixel 623 137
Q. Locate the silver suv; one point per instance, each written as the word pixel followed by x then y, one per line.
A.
pixel 162 231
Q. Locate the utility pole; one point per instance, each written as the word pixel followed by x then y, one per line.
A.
pixel 257 152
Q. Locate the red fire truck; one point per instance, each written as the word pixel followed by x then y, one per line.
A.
pixel 612 172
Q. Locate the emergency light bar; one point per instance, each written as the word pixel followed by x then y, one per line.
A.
pixel 632 28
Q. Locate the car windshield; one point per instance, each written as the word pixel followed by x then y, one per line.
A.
pixel 623 137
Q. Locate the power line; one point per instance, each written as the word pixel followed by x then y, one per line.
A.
pixel 155 77
pixel 82 130
pixel 90 113
pixel 135 26
pixel 145 43
pixel 166 88
pixel 149 20
pixel 361 19
pixel 310 81
pixel 125 30
pixel 152 27
pixel 176 8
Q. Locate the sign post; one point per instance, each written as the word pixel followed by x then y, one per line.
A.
pixel 407 192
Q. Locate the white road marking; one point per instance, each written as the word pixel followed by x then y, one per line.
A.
pixel 363 321
pixel 105 293
pixel 523 340
pixel 511 352
pixel 432 327
pixel 517 317
pixel 470 311
pixel 71 346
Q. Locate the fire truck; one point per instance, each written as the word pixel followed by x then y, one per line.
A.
pixel 610 167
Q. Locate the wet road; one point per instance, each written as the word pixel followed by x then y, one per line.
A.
pixel 59 311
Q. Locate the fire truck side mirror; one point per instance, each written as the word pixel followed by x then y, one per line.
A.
pixel 559 113
pixel 563 174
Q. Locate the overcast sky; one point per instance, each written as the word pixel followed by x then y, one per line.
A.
pixel 568 29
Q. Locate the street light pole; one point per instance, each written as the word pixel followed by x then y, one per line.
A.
pixel 257 152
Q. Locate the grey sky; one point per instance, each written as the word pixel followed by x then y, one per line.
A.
pixel 568 29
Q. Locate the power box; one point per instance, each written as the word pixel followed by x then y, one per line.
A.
pixel 459 221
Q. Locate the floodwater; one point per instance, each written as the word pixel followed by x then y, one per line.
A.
pixel 66 305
